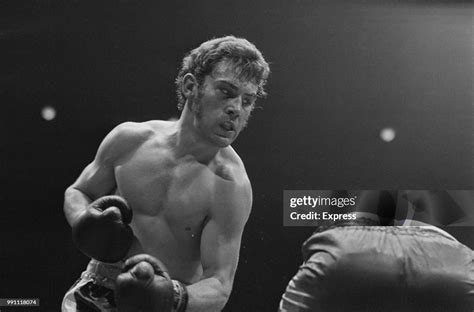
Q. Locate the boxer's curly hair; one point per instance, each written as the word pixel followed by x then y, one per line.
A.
pixel 246 58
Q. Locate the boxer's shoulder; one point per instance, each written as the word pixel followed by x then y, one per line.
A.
pixel 123 139
pixel 233 187
pixel 230 167
pixel 132 132
pixel 157 126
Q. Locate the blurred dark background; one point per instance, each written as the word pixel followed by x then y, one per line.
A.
pixel 341 72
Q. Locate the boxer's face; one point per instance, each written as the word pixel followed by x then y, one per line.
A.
pixel 223 105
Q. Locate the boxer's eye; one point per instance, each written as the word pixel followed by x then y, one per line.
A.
pixel 224 91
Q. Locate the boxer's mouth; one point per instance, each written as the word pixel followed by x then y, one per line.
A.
pixel 228 126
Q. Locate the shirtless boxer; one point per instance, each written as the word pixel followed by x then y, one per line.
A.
pixel 187 194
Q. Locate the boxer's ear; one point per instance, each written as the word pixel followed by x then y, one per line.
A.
pixel 189 86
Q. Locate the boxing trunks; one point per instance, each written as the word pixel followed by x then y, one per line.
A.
pixel 93 291
pixel 372 268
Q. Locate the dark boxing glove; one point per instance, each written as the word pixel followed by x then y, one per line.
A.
pixel 101 232
pixel 145 286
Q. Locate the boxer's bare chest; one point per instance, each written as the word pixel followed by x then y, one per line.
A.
pixel 157 185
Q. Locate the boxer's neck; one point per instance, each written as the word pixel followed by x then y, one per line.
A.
pixel 186 140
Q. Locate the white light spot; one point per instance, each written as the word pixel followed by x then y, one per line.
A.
pixel 48 113
pixel 387 134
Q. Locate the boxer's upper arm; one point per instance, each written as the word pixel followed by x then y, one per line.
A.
pixel 221 237
pixel 98 178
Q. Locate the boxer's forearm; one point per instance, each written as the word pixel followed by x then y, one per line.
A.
pixel 75 202
pixel 209 294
